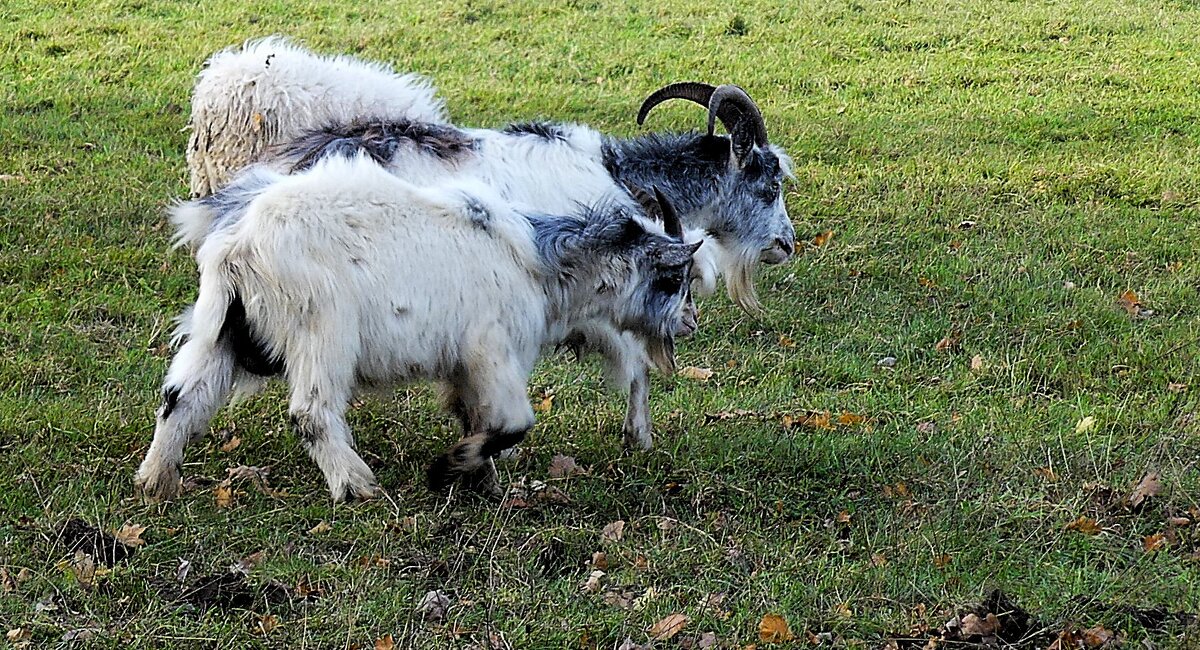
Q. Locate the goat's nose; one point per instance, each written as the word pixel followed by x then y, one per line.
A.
pixel 787 244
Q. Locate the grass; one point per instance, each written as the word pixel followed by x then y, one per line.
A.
pixel 1066 131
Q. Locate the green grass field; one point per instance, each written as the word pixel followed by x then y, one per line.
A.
pixel 1064 133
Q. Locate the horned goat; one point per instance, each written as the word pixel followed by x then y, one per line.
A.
pixel 345 275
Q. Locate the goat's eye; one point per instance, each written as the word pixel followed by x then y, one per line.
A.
pixel 775 187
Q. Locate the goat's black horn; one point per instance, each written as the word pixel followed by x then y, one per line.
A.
pixel 671 223
pixel 727 103
pixel 731 104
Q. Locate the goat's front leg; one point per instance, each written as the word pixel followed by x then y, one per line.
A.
pixel 198 383
pixel 637 428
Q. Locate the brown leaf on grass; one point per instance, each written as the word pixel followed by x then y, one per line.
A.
pixel 1177 388
pixel 843 610
pixel 385 642
pixel 130 535
pixel 1097 637
pixel 773 628
pixel 843 517
pixel 822 239
pixel 1179 522
pixel 1155 542
pixel 250 562
pixel 786 341
pixel 972 625
pixel 613 532
pixel 1149 486
pixel 563 466
pixel 810 419
pixel 948 342
pixel 229 445
pixel 600 560
pixel 926 283
pixel 18 635
pixel 266 623
pixel 545 405
pixel 83 567
pixel 706 641
pixel 619 598
pixel 927 427
pixel 668 627
pixel 1085 525
pixel 321 527
pixel 1046 473
pixel 847 419
pixel 592 584
pixel 942 560
pixel 697 374
pixel 977 363
pixel 223 495
pixel 1132 304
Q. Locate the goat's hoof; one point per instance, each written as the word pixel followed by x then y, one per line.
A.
pixel 156 486
pixel 634 441
pixel 439 477
pixel 486 483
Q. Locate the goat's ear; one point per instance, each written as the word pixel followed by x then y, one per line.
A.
pixel 631 232
pixel 741 142
pixel 675 254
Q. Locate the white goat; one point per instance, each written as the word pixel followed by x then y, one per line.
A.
pixel 345 275
pixel 271 91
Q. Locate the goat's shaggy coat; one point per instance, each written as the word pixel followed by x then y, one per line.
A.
pixel 346 275
pixel 271 91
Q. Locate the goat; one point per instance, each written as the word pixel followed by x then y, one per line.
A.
pixel 270 91
pixel 345 275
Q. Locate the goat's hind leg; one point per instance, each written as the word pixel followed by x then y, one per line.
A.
pixel 198 383
pixel 318 407
pixel 500 400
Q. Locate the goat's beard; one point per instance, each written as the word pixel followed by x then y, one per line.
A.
pixel 662 354
pixel 740 284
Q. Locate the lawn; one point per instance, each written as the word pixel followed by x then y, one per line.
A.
pixel 969 386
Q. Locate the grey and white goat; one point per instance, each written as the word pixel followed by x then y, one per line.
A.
pixel 345 275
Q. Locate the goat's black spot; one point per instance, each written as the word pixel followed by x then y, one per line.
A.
pixel 544 130
pixel 378 139
pixel 498 441
pixel 268 61
pixel 249 352
pixel 170 398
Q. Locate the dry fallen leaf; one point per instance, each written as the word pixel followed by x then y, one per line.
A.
pixel 385 642
pixel 562 466
pixel 433 605
pixel 1085 525
pixel 1149 486
pixel 1046 473
pixel 843 610
pixel 84 569
pixel 231 444
pixel 1155 542
pixel 613 532
pixel 322 527
pixel 850 419
pixel 706 641
pixel 592 584
pixel 224 495
pixel 786 342
pixel 668 627
pixel 545 405
pixel 811 419
pixel 1097 637
pixel 130 535
pixel 773 628
pixel 948 342
pixel 1086 424
pixel 1177 388
pixel 1132 304
pixel 267 623
pixel 698 374
pixel 823 238
pixel 977 363
pixel 600 560
pixel 972 625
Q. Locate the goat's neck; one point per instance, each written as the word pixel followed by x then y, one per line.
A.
pixel 687 168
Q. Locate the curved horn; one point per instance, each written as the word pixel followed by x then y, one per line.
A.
pixel 727 103
pixel 729 96
pixel 671 223
pixel 689 90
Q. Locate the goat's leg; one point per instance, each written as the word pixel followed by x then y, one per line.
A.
pixel 320 391
pixel 637 425
pixel 198 383
pixel 499 397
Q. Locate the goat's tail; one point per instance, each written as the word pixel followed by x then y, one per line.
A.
pixel 194 220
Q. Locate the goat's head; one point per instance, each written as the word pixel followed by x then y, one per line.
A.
pixel 750 219
pixel 656 303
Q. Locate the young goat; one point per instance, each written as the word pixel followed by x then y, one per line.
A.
pixel 271 91
pixel 345 275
